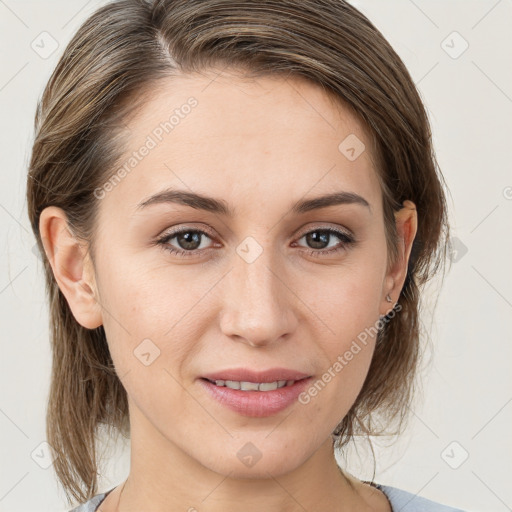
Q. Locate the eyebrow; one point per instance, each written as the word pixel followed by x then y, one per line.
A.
pixel 218 206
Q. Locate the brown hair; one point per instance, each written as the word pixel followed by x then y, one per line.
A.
pixel 114 59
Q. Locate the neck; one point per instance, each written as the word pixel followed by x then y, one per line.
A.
pixel 164 478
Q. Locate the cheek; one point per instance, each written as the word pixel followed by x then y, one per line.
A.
pixel 145 298
pixel 345 308
pixel 151 318
pixel 334 390
pixel 344 303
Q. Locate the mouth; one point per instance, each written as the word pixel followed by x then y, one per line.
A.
pixel 248 378
pixel 253 394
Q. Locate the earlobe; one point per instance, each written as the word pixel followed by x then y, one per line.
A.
pixel 406 226
pixel 71 266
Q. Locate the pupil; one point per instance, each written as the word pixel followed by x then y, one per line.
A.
pixel 189 240
pixel 317 238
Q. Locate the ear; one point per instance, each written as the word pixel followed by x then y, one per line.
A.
pixel 71 265
pixel 406 225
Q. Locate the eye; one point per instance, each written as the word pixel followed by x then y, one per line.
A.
pixel 189 242
pixel 318 238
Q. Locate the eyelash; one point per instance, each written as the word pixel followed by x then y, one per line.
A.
pixel 347 242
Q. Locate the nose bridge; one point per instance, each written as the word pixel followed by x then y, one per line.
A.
pixel 257 307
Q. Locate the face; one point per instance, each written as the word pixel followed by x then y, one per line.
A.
pixel 247 280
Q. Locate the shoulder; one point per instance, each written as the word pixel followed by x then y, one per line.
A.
pixel 93 504
pixel 405 501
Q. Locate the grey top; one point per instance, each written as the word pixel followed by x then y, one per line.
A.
pixel 401 501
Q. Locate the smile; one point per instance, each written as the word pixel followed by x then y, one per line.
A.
pixel 253 386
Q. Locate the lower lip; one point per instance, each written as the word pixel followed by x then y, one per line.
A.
pixel 256 404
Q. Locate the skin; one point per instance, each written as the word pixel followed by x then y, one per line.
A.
pixel 260 145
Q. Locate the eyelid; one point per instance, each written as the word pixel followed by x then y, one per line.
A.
pixel 209 231
pixel 187 227
pixel 323 226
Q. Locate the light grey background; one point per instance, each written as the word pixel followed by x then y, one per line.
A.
pixel 467 408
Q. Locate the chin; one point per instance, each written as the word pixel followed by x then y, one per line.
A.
pixel 248 461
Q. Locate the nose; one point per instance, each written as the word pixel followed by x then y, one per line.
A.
pixel 258 305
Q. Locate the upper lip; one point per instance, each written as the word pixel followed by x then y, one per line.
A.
pixel 248 375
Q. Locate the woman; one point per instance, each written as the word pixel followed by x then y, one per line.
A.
pixel 239 204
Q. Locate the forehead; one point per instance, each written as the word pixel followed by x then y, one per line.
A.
pixel 224 135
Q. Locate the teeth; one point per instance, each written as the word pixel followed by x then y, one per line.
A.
pixel 254 386
pixel 268 386
pixel 249 386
